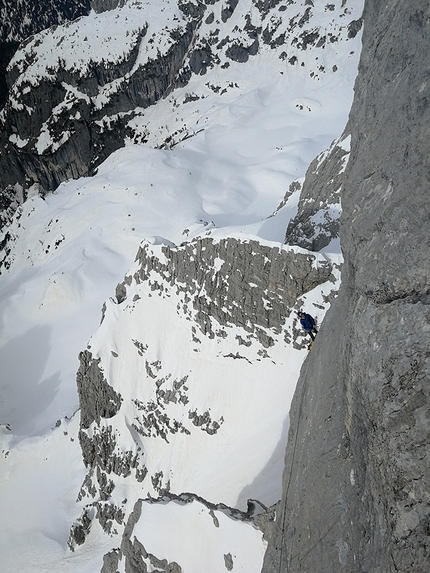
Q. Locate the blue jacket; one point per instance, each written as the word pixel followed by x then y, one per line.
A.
pixel 308 322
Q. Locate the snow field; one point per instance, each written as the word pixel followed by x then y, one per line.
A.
pixel 245 396
pixel 71 250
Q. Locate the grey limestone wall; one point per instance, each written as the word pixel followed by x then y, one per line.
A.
pixel 357 478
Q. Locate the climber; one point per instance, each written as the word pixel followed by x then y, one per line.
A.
pixel 308 323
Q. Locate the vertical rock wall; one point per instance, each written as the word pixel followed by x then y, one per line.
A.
pixel 357 478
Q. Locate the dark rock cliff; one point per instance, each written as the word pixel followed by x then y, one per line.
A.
pixel 357 478
pixel 20 19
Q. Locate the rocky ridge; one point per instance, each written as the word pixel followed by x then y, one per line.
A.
pixel 317 221
pixel 19 20
pixel 356 479
pixel 201 282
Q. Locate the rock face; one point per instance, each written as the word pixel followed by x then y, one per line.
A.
pixel 18 21
pixel 319 209
pixel 357 475
pixel 267 281
pixel 96 397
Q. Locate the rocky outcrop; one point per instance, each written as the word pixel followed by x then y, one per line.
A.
pixel 357 475
pixel 106 5
pixel 230 297
pixel 210 278
pixel 98 400
pixel 266 280
pixel 317 221
pixel 137 559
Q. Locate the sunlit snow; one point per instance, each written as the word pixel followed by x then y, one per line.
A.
pixel 72 248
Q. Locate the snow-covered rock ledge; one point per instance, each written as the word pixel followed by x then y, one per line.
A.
pixel 199 344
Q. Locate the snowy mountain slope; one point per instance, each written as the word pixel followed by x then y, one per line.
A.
pixel 212 193
pixel 225 353
pixel 174 398
pixel 56 279
pixel 78 92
